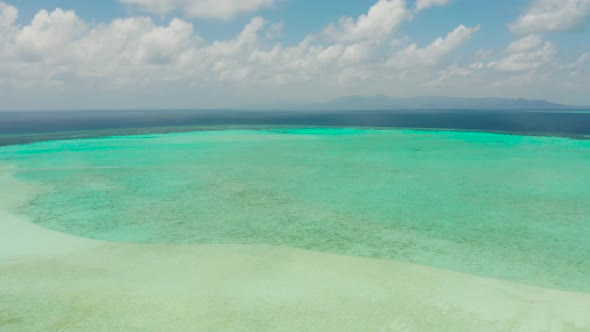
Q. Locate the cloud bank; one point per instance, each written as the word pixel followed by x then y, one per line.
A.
pixel 133 62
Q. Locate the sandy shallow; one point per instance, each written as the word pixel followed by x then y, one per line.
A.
pixel 51 281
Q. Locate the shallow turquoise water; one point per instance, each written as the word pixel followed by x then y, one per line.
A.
pixel 502 206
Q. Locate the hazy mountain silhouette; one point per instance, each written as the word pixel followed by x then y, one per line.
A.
pixel 385 102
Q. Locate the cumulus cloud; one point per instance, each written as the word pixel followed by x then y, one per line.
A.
pixel 525 44
pixel 49 35
pixel 380 22
pixel 425 4
pixel 519 63
pixel 451 72
pixel 8 15
pixel 580 67
pixel 58 47
pixel 525 54
pixel 57 51
pixel 214 9
pixel 244 42
pixel 414 56
pixel 552 15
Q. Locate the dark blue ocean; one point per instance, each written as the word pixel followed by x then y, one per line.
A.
pixel 23 126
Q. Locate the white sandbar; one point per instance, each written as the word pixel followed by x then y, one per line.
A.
pixel 51 281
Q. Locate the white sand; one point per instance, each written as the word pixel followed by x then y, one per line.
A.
pixel 51 281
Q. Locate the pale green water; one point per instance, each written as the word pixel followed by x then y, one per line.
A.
pixel 502 206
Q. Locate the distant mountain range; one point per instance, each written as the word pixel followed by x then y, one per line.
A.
pixel 385 103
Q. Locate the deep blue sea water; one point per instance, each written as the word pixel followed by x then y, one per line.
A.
pixel 24 127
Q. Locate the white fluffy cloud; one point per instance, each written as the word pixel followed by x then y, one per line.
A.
pixel 552 15
pixel 216 9
pixel 8 15
pixel 425 4
pixel 135 50
pixel 525 54
pixel 136 41
pixel 525 44
pixel 49 36
pixel 138 62
pixel 430 55
pixel 58 46
pixel 242 44
pixel 380 22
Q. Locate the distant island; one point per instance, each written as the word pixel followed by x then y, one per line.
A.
pixel 431 102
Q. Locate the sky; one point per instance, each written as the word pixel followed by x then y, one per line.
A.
pixel 178 54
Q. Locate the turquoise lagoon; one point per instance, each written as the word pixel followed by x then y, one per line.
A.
pixel 502 206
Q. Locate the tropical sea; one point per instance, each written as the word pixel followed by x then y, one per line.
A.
pixel 23 127
pixel 421 209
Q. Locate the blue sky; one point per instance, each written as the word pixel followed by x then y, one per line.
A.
pixel 222 53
